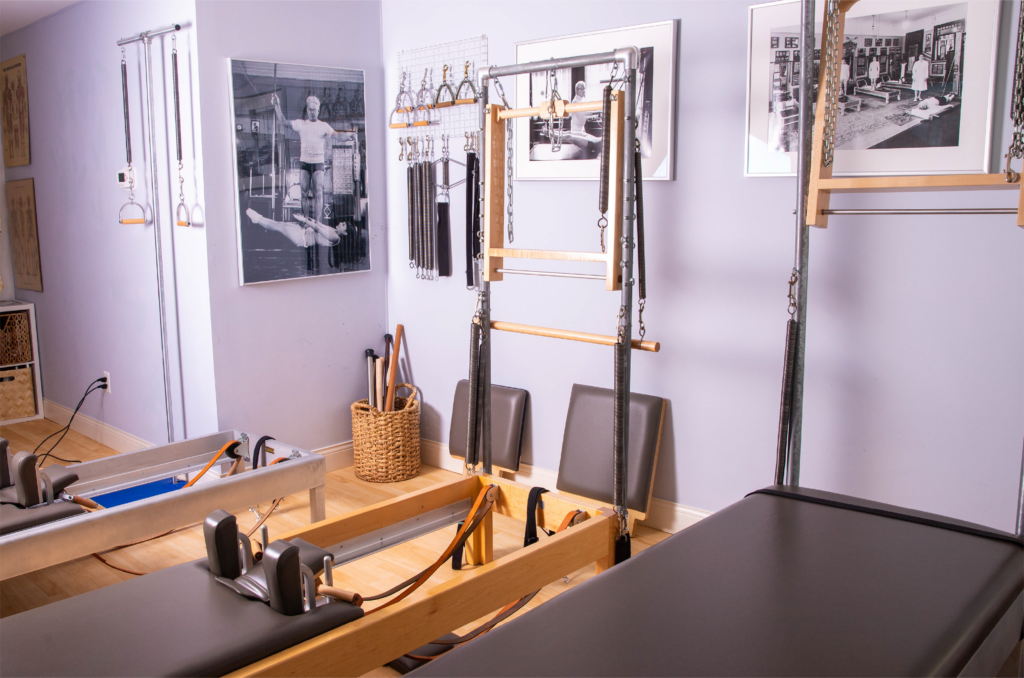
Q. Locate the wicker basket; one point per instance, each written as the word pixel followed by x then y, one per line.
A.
pixel 15 338
pixel 386 445
pixel 17 393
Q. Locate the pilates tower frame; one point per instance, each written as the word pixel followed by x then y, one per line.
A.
pixel 815 186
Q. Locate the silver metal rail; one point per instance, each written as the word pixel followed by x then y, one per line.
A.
pixel 552 274
pixel 921 211
pixel 146 38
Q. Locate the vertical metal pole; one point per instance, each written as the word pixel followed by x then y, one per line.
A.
pixel 803 232
pixel 147 42
pixel 485 300
pixel 1019 530
pixel 623 349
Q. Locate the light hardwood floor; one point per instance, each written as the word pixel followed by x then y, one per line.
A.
pixel 344 493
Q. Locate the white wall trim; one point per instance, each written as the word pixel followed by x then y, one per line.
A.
pixel 101 432
pixel 337 456
pixel 663 515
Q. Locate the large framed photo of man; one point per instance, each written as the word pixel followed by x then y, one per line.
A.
pixel 14 112
pixel 300 176
pixel 922 104
pixel 569 148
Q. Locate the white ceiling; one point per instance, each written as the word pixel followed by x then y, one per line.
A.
pixel 15 14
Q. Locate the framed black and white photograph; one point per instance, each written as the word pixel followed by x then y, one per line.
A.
pixel 300 176
pixel 570 150
pixel 775 43
pixel 925 111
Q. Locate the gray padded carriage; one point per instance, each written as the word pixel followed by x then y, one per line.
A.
pixel 508 415
pixel 203 618
pixel 777 586
pixel 586 467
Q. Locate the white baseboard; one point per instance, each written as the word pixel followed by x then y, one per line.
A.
pixel 337 456
pixel 101 432
pixel 663 515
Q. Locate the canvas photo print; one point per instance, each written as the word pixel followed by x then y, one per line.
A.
pixel 905 94
pixel 300 141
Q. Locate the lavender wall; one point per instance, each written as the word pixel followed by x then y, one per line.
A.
pixel 98 310
pixel 289 354
pixel 915 358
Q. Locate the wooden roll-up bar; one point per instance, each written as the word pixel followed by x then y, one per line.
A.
pixel 822 185
pixel 572 335
pixel 561 109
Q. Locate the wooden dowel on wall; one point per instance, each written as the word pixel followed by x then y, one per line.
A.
pixel 571 335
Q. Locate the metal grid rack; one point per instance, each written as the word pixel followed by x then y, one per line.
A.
pixel 424 70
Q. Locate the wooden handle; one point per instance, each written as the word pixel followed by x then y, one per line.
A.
pixel 389 405
pixel 133 221
pixel 182 223
pixel 379 369
pixel 87 503
pixel 340 594
pixel 604 340
pixel 542 111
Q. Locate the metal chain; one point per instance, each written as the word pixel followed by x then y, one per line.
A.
pixel 794 277
pixel 640 318
pixel 508 182
pixel 131 170
pixel 831 51
pixel 1016 149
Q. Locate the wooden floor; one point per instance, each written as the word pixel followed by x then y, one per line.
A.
pixel 344 493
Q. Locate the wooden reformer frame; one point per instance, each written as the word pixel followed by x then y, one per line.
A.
pixel 822 185
pixel 374 640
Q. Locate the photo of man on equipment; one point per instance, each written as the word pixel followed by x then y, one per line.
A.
pixel 301 171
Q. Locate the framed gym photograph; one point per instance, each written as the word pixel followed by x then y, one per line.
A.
pixel 921 105
pixel 569 148
pixel 14 112
pixel 300 176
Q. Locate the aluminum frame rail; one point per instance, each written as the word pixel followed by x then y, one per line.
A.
pixel 628 57
pixel 63 540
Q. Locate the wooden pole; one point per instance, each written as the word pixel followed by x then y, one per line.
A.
pixel 571 335
pixel 390 404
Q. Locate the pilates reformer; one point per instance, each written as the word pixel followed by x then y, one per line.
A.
pixel 863 87
pixel 334 638
pixel 142 494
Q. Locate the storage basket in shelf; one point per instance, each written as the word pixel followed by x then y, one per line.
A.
pixel 386 445
pixel 17 393
pixel 15 338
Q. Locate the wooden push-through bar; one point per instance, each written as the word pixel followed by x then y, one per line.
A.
pixel 822 185
pixel 561 109
pixel 494 196
pixel 571 335
pixel 376 639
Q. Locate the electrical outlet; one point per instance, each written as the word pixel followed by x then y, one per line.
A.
pixel 107 375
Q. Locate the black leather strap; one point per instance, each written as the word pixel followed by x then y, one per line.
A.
pixel 531 516
pixel 457 553
pixel 920 520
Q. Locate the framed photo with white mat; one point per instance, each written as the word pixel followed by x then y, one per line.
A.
pixel 923 107
pixel 570 150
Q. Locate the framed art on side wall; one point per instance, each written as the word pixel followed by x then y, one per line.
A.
pixel 14 111
pixel 21 210
pixel 901 112
pixel 300 175
pixel 570 150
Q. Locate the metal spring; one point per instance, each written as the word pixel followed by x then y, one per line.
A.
pixel 474 387
pixel 127 126
pixel 606 143
pixel 787 402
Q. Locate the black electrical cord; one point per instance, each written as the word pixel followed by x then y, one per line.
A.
pixel 64 431
pixel 260 444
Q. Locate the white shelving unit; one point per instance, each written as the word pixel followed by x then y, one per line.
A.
pixel 8 369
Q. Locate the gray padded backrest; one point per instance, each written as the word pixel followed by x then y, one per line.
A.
pixel 220 531
pixel 284 582
pixel 25 479
pixel 5 465
pixel 508 414
pixel 60 477
pixel 587 461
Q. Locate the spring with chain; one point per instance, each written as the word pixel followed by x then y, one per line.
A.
pixel 1016 149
